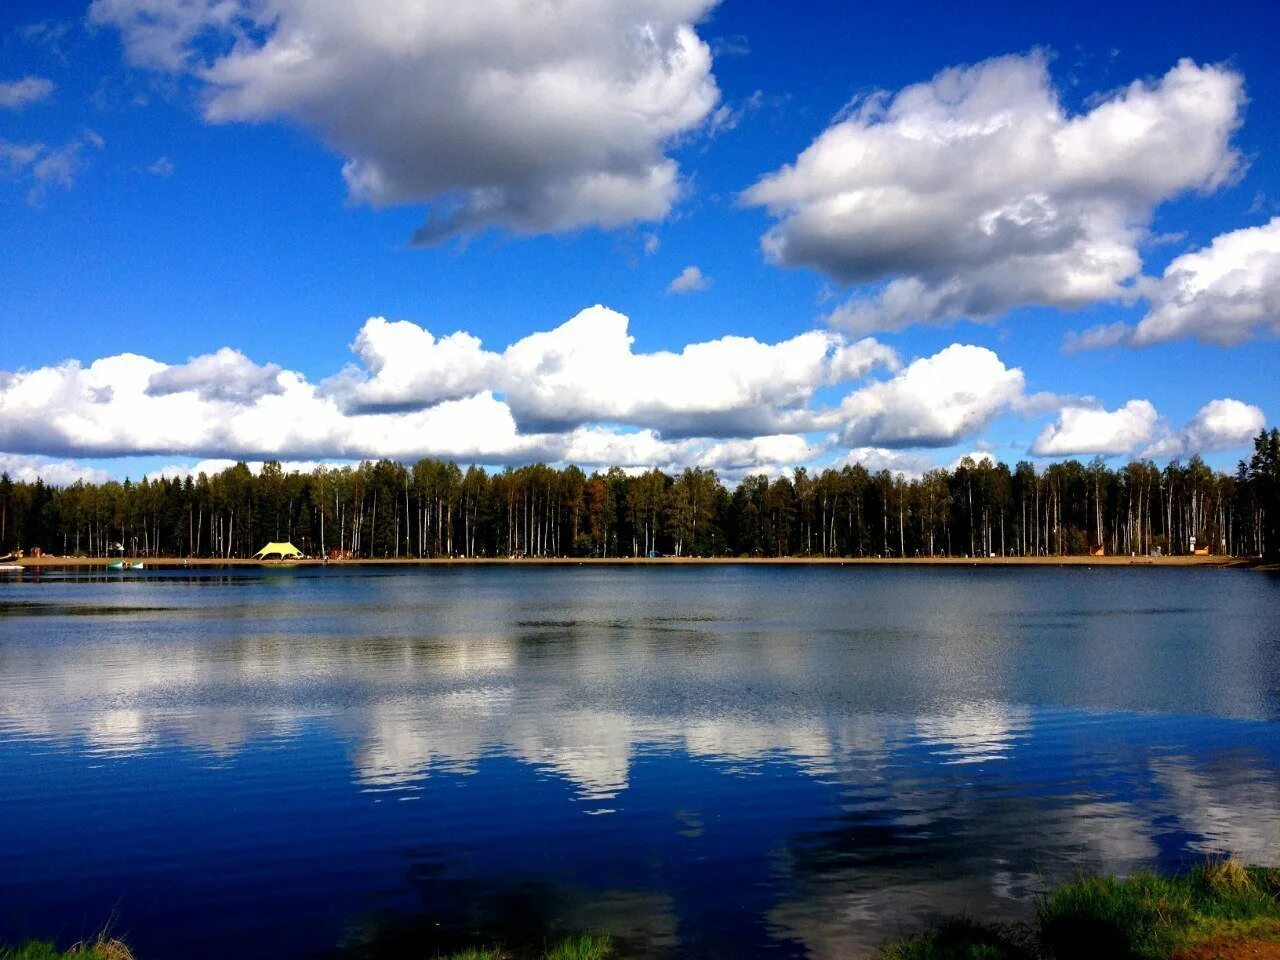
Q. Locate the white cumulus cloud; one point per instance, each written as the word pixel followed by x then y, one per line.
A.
pixel 585 370
pixel 529 115
pixel 42 167
pixel 225 375
pixel 875 459
pixel 691 280
pixel 600 447
pixel 935 402
pixel 1137 428
pixel 108 409
pixel 579 392
pixel 978 191
pixel 1092 430
pixel 1222 294
pixel 1218 425
pixel 1098 337
pixel 18 93
pixel 58 473
pixel 406 367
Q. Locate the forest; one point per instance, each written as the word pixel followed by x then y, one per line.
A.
pixel 436 509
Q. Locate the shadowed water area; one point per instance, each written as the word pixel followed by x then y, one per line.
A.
pixel 704 762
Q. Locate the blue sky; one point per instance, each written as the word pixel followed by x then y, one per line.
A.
pixel 171 227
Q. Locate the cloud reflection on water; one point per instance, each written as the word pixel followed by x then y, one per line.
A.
pixel 954 756
pixel 411 706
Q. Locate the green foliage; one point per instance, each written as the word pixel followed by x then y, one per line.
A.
pixel 32 950
pixel 478 953
pixel 1142 917
pixel 99 949
pixel 584 947
pixel 435 509
pixel 1150 918
pixel 961 940
pixel 1262 476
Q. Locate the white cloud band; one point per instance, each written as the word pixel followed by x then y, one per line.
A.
pixel 977 191
pixel 531 116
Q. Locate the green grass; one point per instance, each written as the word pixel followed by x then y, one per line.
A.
pixel 1142 917
pixel 960 940
pixel 100 949
pixel 584 947
pixel 1152 918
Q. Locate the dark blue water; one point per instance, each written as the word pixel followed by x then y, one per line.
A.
pixel 709 762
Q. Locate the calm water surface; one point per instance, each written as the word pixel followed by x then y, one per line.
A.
pixel 710 762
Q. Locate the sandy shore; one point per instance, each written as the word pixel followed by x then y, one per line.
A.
pixel 171 562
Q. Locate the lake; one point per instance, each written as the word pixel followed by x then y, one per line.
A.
pixel 704 762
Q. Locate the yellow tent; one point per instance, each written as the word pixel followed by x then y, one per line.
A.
pixel 286 551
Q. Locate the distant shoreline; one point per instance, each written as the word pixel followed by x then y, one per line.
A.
pixel 1217 562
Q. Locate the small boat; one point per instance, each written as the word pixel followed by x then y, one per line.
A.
pixel 118 565
pixel 10 568
pixel 136 566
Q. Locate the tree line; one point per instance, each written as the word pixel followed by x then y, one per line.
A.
pixel 434 508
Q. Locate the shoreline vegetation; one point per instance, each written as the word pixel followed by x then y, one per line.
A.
pixel 1219 910
pixel 101 947
pixel 178 563
pixel 437 510
pixel 104 947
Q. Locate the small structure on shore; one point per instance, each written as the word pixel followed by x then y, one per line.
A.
pixel 280 551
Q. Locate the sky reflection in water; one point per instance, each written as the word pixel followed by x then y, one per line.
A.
pixel 703 762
